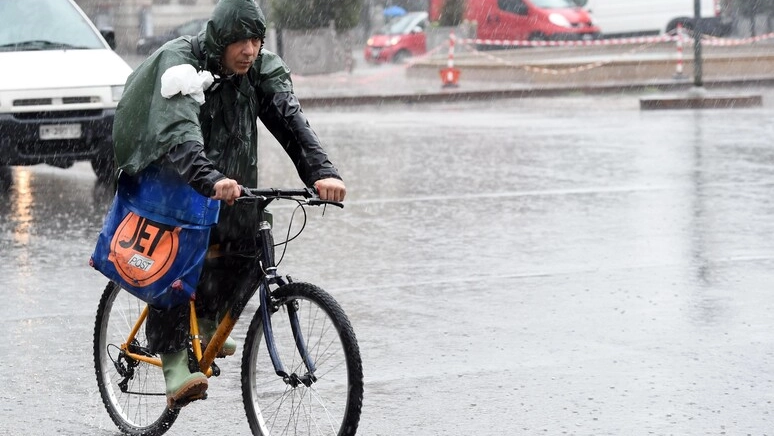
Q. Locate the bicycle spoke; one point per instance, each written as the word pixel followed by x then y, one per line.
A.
pixel 314 395
pixel 142 408
pixel 331 403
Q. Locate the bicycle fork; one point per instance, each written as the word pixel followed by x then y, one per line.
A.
pixel 267 307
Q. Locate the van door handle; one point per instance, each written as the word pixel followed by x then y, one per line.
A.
pixel 490 18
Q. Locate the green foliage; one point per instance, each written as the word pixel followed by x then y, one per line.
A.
pixel 314 14
pixel 452 13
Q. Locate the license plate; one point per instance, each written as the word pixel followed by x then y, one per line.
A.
pixel 60 131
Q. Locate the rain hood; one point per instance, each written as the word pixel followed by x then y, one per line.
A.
pixel 148 124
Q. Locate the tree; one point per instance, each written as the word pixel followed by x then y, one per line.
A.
pixel 314 14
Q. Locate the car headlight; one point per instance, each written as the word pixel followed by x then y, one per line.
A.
pixel 117 91
pixel 370 41
pixel 394 40
pixel 559 20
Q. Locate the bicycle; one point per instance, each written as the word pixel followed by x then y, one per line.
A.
pixel 320 392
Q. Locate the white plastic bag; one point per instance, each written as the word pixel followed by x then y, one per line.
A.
pixel 185 80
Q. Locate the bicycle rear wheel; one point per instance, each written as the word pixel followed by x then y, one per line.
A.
pixel 133 392
pixel 330 405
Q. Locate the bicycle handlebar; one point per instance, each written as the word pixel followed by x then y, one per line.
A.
pixel 270 194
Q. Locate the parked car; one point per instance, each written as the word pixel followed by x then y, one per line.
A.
pixel 60 82
pixel 148 45
pixel 400 38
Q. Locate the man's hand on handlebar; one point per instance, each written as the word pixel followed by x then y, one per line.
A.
pixel 330 189
pixel 227 190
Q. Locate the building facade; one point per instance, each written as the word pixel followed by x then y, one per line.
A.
pixel 132 19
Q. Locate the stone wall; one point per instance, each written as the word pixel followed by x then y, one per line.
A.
pixel 319 51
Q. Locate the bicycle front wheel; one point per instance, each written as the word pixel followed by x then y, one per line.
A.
pixel 327 402
pixel 133 392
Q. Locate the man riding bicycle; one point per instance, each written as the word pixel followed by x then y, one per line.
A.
pixel 212 147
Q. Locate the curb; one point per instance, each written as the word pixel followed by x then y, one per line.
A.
pixel 461 95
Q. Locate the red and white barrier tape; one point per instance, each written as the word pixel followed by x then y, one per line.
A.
pixel 671 37
pixel 710 40
pixel 554 71
pixel 591 42
pixel 678 36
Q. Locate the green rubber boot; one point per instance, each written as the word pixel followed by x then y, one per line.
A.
pixel 182 386
pixel 207 329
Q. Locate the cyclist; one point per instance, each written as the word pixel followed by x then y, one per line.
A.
pixel 212 146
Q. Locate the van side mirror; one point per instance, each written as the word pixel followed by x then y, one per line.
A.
pixel 110 37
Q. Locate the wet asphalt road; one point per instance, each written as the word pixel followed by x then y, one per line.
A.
pixel 538 267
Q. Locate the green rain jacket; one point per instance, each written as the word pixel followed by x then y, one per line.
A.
pixel 147 125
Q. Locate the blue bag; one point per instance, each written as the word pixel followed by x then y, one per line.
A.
pixel 155 236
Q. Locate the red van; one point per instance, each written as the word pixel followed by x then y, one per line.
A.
pixel 533 20
pixel 400 38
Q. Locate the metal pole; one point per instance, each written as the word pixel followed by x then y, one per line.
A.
pixel 697 61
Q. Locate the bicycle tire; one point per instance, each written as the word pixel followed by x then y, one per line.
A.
pixel 332 404
pixel 142 410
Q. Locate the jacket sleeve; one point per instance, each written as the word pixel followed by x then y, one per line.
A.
pixel 190 161
pixel 281 113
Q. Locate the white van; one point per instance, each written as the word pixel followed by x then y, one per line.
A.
pixel 652 17
pixel 60 82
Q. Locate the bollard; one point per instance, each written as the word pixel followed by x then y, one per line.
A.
pixel 450 75
pixel 679 67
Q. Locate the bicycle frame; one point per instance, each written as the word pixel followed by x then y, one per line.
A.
pixel 269 278
pixel 126 348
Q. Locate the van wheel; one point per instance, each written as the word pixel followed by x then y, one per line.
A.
pixel 401 56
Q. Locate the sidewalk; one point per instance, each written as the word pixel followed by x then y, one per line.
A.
pixel 385 83
pixel 391 83
pixel 486 77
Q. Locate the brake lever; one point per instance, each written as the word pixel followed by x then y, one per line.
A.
pixel 245 195
pixel 318 202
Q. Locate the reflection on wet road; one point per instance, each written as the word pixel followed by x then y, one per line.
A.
pixel 538 266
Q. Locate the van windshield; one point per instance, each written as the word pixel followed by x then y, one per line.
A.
pixel 403 24
pixel 44 25
pixel 555 4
